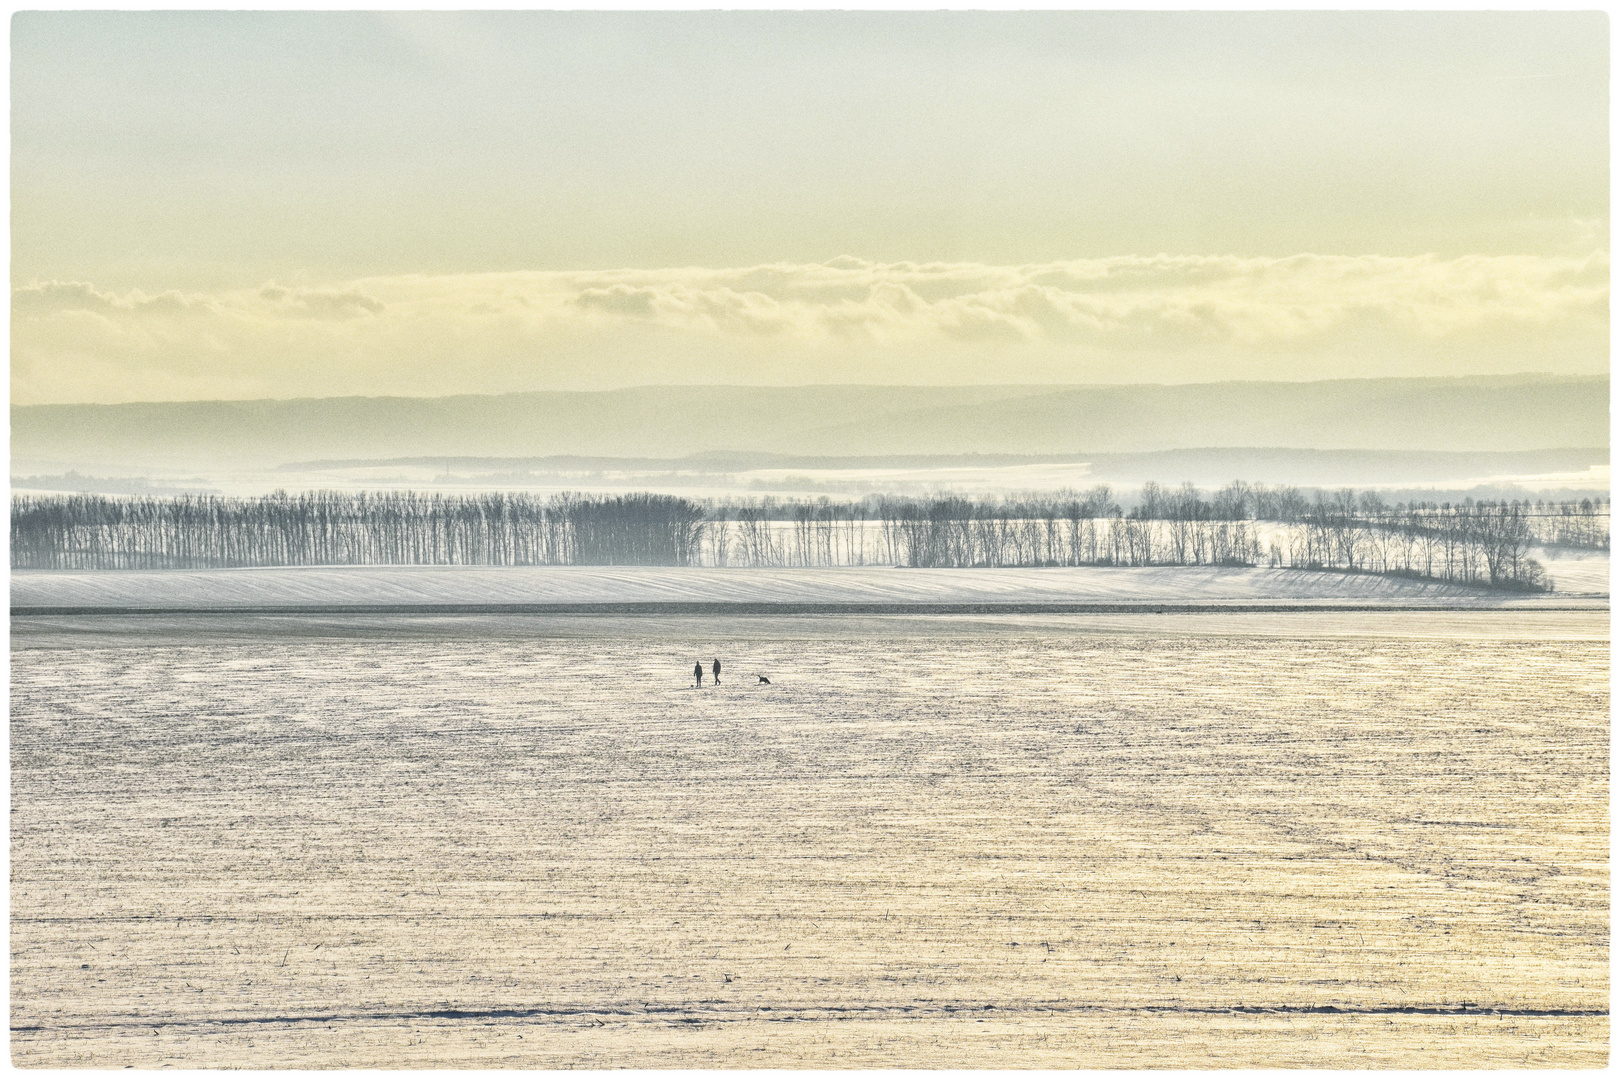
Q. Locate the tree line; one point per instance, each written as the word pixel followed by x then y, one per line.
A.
pixel 96 532
pixel 1239 525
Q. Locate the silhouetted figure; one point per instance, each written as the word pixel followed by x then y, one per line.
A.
pixel 697 672
pixel 763 679
pixel 717 671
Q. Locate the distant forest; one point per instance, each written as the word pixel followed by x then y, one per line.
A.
pixel 1481 543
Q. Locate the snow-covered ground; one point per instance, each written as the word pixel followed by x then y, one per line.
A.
pixel 1576 573
pixel 1142 848
pixel 427 585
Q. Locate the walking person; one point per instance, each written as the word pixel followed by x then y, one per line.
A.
pixel 697 672
pixel 717 671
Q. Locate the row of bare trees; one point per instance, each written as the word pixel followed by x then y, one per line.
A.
pixel 1570 524
pixel 1473 542
pixel 96 532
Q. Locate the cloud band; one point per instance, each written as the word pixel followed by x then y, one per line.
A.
pixel 538 329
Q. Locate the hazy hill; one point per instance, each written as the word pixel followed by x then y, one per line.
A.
pixel 1474 414
pixel 1207 466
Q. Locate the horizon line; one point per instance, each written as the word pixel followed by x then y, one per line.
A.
pixel 1547 376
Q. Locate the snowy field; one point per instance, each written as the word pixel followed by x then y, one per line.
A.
pixel 432 585
pixel 1294 839
pixel 1575 572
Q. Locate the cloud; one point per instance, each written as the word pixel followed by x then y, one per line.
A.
pixel 848 319
pixel 44 298
pixel 619 300
pixel 1131 300
pixel 342 303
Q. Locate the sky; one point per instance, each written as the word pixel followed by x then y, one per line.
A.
pixel 242 205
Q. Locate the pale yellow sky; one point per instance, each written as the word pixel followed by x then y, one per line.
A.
pixel 250 204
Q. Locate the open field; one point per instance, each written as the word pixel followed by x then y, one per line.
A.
pixel 309 587
pixel 1289 839
pixel 1576 573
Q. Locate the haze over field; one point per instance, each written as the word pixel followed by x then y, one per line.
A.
pixel 1388 430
